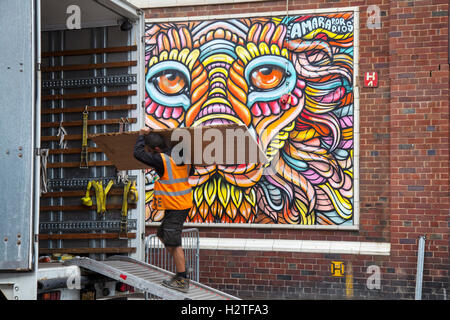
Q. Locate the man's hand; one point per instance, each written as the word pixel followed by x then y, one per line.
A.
pixel 144 131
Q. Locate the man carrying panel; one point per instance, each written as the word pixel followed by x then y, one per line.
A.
pixel 173 194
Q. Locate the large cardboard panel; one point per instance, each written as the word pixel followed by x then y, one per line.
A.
pixel 229 144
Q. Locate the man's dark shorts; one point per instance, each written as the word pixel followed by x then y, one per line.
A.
pixel 169 232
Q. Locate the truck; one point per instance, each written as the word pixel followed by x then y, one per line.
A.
pixel 73 226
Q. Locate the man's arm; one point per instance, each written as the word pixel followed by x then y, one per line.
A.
pixel 152 159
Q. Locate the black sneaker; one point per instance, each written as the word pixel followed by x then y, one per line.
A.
pixel 177 283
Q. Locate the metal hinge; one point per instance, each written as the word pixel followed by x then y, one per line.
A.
pixel 41 152
pixel 38 66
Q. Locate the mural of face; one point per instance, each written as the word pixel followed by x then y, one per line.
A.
pixel 294 94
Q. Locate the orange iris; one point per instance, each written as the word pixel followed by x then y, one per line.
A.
pixel 170 82
pixel 267 77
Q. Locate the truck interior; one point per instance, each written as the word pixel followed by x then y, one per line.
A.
pixel 89 85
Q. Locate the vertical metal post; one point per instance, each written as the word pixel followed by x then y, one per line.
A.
pixel 419 274
pixel 197 257
pixel 104 116
pixel 62 46
pixel 51 172
pixel 93 170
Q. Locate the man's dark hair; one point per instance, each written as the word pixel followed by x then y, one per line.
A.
pixel 153 140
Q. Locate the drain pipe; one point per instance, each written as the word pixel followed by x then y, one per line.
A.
pixel 419 274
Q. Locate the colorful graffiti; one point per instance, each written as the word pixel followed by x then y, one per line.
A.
pixel 290 81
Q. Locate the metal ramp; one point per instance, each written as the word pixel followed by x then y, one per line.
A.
pixel 147 278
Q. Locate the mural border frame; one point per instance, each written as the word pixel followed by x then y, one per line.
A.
pixel 356 132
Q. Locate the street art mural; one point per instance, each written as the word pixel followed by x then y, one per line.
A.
pixel 290 81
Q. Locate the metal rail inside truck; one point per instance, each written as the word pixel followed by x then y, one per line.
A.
pixel 72 225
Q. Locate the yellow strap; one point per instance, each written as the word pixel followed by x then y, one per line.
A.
pixel 85 121
pixel 100 194
pixel 108 187
pixel 84 163
pixel 102 198
pixel 133 193
pixel 126 189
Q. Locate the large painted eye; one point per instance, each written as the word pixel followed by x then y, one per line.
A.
pixel 266 77
pixel 170 82
pixel 269 77
pixel 167 83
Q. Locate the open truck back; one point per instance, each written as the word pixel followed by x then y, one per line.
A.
pixel 71 69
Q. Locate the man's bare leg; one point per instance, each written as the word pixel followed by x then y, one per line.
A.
pixel 180 281
pixel 178 257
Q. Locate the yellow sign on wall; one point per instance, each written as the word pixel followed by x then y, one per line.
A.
pixel 337 268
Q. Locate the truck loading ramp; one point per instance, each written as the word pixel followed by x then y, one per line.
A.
pixel 147 278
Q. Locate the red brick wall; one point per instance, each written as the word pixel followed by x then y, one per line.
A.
pixel 419 129
pixel 404 166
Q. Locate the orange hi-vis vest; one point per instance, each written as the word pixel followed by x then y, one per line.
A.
pixel 172 191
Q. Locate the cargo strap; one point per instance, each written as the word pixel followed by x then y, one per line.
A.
pixel 124 216
pixel 100 195
pixel 133 193
pixel 103 194
pixel 86 200
pixel 130 194
pixel 44 159
pixel 84 144
pixel 124 124
pixel 61 134
pixel 122 175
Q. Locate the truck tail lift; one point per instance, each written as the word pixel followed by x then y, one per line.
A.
pixel 148 278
